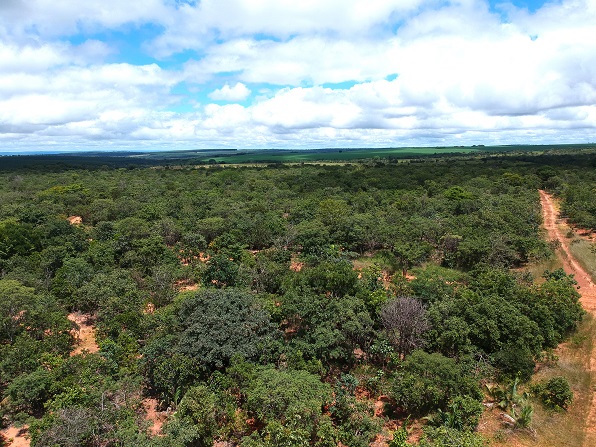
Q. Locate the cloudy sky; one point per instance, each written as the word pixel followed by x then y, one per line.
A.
pixel 177 74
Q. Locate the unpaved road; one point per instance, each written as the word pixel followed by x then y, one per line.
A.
pixel 587 289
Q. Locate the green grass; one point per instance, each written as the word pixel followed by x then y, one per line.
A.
pixel 583 251
pixel 537 269
pixel 314 155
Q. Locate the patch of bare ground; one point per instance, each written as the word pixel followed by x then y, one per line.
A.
pixel 186 286
pixel 296 265
pixel 75 220
pixel 154 416
pixel 16 437
pixel 84 334
pixel 555 227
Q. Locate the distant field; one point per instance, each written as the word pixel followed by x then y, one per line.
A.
pixel 241 156
pixel 293 156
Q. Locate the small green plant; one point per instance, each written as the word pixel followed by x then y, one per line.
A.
pixel 463 413
pixel 400 436
pixel 549 358
pixel 515 404
pixel 524 418
pixel 555 394
pixel 500 436
pixel 578 339
pixel 373 384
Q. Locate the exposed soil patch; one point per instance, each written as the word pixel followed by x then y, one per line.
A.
pixel 16 437
pixel 85 334
pixel 75 220
pixel 155 417
pixel 186 286
pixel 587 289
pixel 296 266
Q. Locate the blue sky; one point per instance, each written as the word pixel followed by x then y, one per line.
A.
pixel 177 74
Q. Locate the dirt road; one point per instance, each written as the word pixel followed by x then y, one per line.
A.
pixel 587 290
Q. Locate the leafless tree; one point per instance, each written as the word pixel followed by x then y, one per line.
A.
pixel 405 321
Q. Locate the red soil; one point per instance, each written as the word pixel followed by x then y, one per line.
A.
pixel 85 334
pixel 75 220
pixel 15 437
pixel 157 418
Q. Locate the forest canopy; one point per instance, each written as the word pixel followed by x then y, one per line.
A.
pixel 273 305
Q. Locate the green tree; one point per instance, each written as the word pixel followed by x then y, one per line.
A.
pixel 426 383
pixel 276 395
pixel 220 323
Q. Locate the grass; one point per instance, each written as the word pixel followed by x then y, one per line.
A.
pixel 582 250
pixel 568 428
pixel 562 429
pixel 537 269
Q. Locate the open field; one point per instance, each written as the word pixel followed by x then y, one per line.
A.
pixel 101 159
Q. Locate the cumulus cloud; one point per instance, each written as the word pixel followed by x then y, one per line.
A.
pixel 328 73
pixel 280 19
pixel 238 92
pixel 65 17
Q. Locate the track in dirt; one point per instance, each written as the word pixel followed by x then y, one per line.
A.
pixel 587 289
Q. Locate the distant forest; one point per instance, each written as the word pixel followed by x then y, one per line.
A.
pixel 273 305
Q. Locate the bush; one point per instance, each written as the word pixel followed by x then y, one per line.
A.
pixel 463 413
pixel 555 394
pixel 199 407
pixel 275 395
pixel 514 361
pixel 427 382
pixel 450 437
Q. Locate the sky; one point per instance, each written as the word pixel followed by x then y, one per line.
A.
pixel 181 74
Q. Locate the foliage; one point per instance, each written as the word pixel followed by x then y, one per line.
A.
pixel 463 413
pixel 427 382
pixel 284 331
pixel 555 393
pixel 450 437
pixel 220 323
pixel 275 395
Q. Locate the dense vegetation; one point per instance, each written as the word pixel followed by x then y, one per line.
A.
pixel 269 306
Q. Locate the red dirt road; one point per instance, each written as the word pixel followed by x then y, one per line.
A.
pixel 571 266
pixel 587 289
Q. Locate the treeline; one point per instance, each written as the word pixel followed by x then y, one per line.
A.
pixel 270 306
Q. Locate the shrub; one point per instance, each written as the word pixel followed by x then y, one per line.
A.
pixel 463 413
pixel 427 382
pixel 555 394
pixel 450 437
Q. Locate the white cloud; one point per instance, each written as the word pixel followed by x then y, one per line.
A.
pixel 230 19
pixel 464 74
pixel 65 17
pixel 313 59
pixel 238 92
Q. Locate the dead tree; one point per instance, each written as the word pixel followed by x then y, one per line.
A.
pixel 405 321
